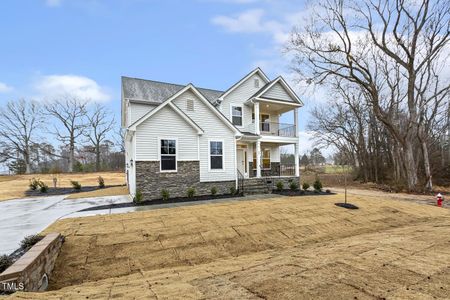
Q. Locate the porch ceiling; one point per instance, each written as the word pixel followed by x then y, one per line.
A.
pixel 274 107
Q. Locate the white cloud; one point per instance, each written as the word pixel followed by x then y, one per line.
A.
pixel 245 22
pixel 4 88
pixel 54 86
pixel 53 3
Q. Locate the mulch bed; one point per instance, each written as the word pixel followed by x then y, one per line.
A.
pixel 64 190
pixel 161 201
pixel 301 193
pixel 347 205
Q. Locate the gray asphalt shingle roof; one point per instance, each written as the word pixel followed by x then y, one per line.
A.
pixel 156 91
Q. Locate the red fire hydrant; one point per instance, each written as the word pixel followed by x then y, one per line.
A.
pixel 439 199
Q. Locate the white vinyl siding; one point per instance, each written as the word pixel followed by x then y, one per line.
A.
pixel 137 110
pixel 278 92
pixel 240 95
pixel 214 129
pixel 166 123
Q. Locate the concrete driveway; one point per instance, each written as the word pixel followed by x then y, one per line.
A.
pixel 22 217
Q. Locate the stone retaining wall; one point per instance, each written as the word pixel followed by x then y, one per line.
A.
pixel 32 271
pixel 150 181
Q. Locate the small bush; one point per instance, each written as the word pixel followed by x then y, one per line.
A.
pixel 101 182
pixel 317 185
pixel 5 262
pixel 213 190
pixel 280 186
pixel 293 186
pixel 190 192
pixel 328 191
pixel 43 187
pixel 232 190
pixel 305 186
pixel 165 194
pixel 76 185
pixel 34 183
pixel 30 240
pixel 138 197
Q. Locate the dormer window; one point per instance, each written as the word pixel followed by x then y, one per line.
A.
pixel 256 83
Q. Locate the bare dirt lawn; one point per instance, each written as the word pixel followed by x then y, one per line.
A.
pixel 13 187
pixel 279 248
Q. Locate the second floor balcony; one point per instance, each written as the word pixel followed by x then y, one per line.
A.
pixel 276 129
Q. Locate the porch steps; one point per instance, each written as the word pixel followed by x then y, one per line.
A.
pixel 256 186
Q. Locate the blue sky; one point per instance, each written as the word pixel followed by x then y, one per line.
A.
pixel 84 46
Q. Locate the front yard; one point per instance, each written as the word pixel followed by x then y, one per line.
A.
pixel 16 186
pixel 287 247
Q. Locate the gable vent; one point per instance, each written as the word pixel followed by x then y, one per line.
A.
pixel 190 105
pixel 256 82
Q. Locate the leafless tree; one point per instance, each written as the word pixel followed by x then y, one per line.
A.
pixel 19 123
pixel 389 49
pixel 99 126
pixel 70 114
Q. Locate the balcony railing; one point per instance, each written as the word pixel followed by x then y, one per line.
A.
pixel 277 129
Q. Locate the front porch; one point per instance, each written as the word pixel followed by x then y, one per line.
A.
pixel 259 158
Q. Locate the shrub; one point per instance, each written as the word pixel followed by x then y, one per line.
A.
pixel 43 187
pixel 190 192
pixel 138 197
pixel 101 182
pixel 34 183
pixel 76 185
pixel 280 186
pixel 305 186
pixel 293 186
pixel 5 262
pixel 165 194
pixel 213 190
pixel 232 190
pixel 317 185
pixel 30 240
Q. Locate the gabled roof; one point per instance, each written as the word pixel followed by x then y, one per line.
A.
pixel 156 92
pixel 260 93
pixel 237 84
pixel 182 114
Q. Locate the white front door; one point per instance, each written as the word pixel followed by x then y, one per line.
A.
pixel 241 161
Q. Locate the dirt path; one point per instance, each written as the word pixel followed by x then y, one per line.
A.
pixel 291 248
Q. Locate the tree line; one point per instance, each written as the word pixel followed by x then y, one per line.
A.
pixel 385 63
pixel 64 135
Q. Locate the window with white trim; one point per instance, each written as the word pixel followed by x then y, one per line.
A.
pixel 168 155
pixel 216 155
pixel 236 115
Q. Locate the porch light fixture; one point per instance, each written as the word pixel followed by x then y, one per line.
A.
pixel 267 105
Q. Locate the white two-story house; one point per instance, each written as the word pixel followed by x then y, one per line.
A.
pixel 182 136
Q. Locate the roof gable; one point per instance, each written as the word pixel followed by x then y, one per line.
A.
pixel 278 89
pixel 244 79
pixel 179 111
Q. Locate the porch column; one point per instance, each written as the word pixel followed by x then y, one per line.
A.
pixel 296 120
pixel 258 159
pixel 296 158
pixel 256 112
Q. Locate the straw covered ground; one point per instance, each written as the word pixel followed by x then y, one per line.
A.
pixel 279 248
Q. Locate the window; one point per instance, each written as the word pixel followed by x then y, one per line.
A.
pixel 256 82
pixel 265 158
pixel 216 155
pixel 236 115
pixel 190 105
pixel 168 155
